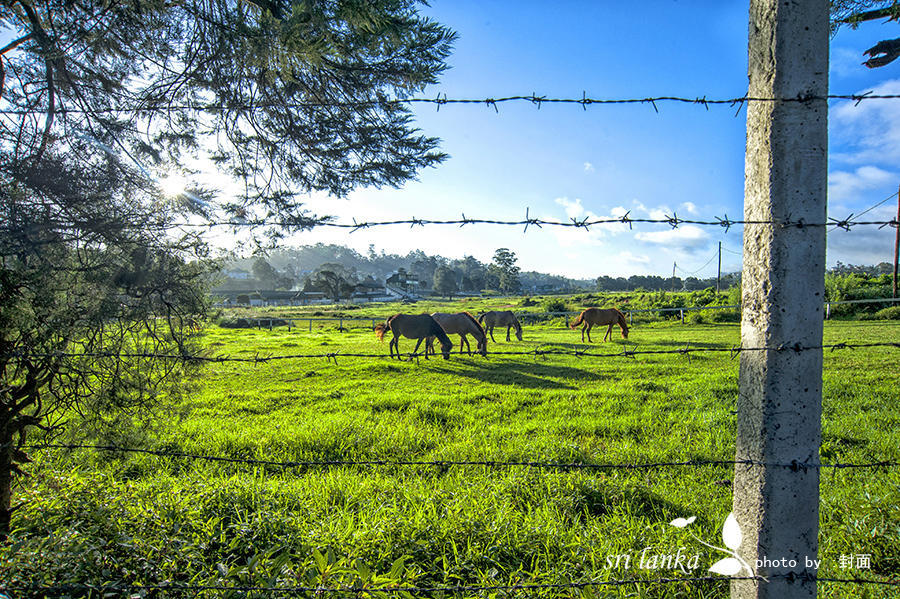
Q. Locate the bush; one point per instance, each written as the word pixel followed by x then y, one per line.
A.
pixel 555 304
pixel 892 313
pixel 527 302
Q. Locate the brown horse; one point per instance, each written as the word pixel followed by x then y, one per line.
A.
pixel 462 324
pixel 418 326
pixel 592 316
pixel 500 318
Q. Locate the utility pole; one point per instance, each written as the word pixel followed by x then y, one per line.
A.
pixel 779 403
pixel 719 269
pixel 896 247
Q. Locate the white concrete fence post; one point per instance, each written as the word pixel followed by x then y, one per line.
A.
pixel 783 290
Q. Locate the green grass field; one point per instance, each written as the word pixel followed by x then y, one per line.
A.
pixel 100 517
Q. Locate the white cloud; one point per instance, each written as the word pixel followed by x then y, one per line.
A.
pixel 690 207
pixel 846 185
pixel 870 129
pixel 685 237
pixel 573 208
pixel 846 62
pixel 588 167
pixel 633 259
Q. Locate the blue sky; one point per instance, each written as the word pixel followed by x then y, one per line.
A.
pixel 562 161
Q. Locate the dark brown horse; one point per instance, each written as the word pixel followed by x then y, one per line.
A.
pixel 462 324
pixel 503 318
pixel 418 326
pixel 608 316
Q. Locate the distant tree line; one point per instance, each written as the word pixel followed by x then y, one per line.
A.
pixel 338 271
pixel 657 283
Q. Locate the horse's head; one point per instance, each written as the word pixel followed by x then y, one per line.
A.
pixel 445 350
pixel 519 332
pixel 482 346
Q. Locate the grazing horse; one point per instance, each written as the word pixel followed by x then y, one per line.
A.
pixel 500 318
pixel 592 316
pixel 462 324
pixel 418 326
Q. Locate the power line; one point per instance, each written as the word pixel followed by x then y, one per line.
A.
pixel 839 225
pixel 690 274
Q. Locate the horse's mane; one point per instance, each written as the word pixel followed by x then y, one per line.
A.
pixel 475 322
pixel 439 332
pixel 515 320
pixel 623 322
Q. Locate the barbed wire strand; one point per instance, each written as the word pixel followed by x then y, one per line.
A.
pixel 673 221
pixel 537 352
pixel 794 465
pixel 804 576
pixel 489 102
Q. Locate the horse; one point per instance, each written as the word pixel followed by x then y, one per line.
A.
pixel 461 323
pixel 418 326
pixel 500 318
pixel 608 316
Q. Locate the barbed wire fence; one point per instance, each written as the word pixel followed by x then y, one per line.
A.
pixel 674 221
pixel 540 352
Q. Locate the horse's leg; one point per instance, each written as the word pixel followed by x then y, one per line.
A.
pixel 416 350
pixel 490 330
pixel 395 342
pixel 608 332
pixel 509 326
pixel 589 325
pixel 583 327
pixel 429 345
pixel 464 339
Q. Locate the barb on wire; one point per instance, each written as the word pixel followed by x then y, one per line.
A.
pixel 844 224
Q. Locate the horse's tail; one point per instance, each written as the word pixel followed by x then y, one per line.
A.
pixel 623 324
pixel 381 329
pixel 578 320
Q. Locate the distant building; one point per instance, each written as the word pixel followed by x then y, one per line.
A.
pixel 239 274
pixel 402 284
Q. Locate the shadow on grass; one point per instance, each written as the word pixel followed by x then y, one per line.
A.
pixel 532 375
pixel 607 500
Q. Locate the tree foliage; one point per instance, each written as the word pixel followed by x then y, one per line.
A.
pixel 285 96
pixel 445 281
pixel 506 270
pixel 854 12
pixel 101 281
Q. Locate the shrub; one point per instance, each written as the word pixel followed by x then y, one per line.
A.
pixel 555 304
pixel 892 313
